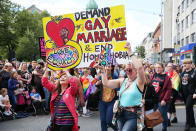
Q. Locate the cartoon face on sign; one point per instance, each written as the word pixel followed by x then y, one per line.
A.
pixel 61 51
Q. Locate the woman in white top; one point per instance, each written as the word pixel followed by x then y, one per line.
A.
pixel 5 102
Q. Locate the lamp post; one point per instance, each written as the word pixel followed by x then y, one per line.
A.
pixel 161 40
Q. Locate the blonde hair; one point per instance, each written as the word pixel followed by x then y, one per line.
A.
pixel 147 79
pixel 7 64
pixel 21 65
pixel 3 90
pixel 187 61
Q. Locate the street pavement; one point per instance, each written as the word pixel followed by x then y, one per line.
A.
pixel 39 123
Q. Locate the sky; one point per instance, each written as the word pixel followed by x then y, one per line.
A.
pixel 142 16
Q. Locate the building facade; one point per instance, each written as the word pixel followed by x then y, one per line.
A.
pixel 156 46
pixel 152 45
pixel 166 47
pixel 183 29
pixel 147 43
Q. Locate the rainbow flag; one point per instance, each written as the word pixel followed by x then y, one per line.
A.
pixel 107 51
pixel 87 86
pixel 175 79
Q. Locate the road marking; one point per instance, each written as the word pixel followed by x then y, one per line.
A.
pixel 182 106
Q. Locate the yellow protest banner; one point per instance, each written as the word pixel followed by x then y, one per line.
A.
pixel 83 38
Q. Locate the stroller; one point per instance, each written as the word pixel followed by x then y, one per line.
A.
pixel 7 117
pixel 38 107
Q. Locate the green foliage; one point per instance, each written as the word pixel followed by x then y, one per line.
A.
pixel 8 12
pixel 140 50
pixel 29 30
pixel 28 46
pixel 19 31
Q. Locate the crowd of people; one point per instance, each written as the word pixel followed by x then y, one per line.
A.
pixel 67 94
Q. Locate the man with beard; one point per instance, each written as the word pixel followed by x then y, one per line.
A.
pixel 38 73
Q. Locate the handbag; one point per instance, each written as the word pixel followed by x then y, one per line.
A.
pixel 152 119
pixel 50 126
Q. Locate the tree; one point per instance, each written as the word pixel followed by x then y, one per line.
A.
pixel 19 31
pixel 29 28
pixel 8 12
pixel 140 50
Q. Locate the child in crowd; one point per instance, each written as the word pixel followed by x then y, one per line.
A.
pixel 35 96
pixel 13 85
pixel 37 100
pixel 5 102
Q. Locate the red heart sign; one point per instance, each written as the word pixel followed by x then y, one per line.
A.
pixel 54 30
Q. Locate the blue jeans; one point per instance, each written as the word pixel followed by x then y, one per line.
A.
pixel 47 94
pixel 106 114
pixel 164 110
pixel 13 101
pixel 127 121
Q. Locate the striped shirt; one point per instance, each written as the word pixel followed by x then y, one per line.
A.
pixel 62 116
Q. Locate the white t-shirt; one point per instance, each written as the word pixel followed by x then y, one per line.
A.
pixel 122 73
pixel 3 98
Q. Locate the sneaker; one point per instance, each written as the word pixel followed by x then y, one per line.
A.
pixel 187 128
pixel 193 125
pixel 90 113
pixel 86 115
pixel 169 123
pixel 175 120
pixel 6 113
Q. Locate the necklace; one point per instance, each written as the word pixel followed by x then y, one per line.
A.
pixel 129 82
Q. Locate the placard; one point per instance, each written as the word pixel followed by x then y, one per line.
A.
pixel 78 39
pixel 42 47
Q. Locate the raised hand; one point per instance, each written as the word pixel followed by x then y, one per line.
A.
pixel 128 46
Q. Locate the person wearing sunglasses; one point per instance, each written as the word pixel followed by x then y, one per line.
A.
pixel 130 94
pixel 62 104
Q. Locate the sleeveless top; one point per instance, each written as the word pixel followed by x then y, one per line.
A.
pixel 131 96
pixel 108 94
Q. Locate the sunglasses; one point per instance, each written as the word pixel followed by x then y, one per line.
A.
pixel 128 70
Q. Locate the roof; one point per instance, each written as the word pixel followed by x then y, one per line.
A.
pixel 34 9
pixel 91 5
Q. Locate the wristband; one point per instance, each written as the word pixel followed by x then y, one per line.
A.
pixel 131 55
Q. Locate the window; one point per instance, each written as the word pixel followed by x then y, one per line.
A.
pixel 193 39
pixel 182 26
pixel 193 14
pixel 182 42
pixel 178 28
pixel 187 3
pixel 182 6
pixel 187 40
pixel 187 21
pixel 187 56
pixel 178 11
pixel 178 46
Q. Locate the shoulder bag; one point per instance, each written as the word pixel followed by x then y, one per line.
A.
pixel 152 119
pixel 116 107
